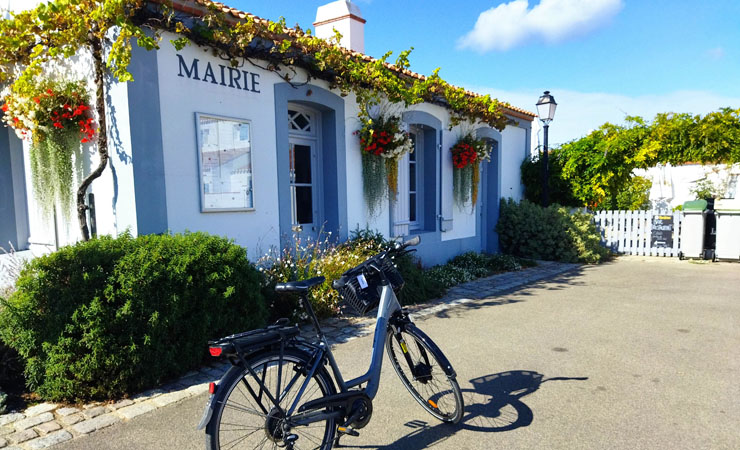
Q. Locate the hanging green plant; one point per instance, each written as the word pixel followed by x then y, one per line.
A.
pixel 374 184
pixel 467 155
pixel 383 144
pixel 55 118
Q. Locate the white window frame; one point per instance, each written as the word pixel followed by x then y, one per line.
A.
pixel 199 152
pixel 417 224
pixel 313 139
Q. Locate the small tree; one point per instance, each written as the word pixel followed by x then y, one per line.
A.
pixel 33 41
pixel 561 191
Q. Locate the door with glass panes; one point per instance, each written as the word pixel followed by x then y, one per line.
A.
pixel 305 172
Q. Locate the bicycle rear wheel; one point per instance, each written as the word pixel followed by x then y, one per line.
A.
pixel 419 364
pixel 245 418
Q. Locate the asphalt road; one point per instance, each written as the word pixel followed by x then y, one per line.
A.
pixel 641 353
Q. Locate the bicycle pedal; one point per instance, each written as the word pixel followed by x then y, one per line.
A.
pixel 348 431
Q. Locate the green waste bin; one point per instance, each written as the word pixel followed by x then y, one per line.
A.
pixel 692 229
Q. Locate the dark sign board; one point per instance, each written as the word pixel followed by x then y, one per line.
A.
pixel 661 235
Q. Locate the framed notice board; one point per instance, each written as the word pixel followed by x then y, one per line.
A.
pixel 661 235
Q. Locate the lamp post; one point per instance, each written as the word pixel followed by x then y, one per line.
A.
pixel 546 111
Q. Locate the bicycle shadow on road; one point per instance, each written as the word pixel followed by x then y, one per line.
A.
pixel 493 405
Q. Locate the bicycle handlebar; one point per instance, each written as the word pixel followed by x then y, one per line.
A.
pixel 414 241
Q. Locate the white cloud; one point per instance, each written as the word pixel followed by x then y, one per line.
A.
pixel 511 24
pixel 579 113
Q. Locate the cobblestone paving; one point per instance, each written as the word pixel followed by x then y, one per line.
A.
pixel 47 424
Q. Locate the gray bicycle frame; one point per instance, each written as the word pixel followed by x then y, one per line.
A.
pixel 387 307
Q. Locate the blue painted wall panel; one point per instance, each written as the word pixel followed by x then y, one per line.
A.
pixel 146 143
pixel 8 230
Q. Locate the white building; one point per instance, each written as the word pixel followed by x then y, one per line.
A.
pixel 196 145
pixel 674 185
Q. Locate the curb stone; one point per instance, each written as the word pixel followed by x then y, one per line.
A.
pixel 97 423
pixel 76 422
pixel 49 440
pixel 31 422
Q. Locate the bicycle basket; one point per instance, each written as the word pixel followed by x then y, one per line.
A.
pixel 364 300
pixel 361 300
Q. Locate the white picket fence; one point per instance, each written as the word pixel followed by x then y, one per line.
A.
pixel 629 232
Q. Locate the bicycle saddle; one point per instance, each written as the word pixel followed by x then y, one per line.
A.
pixel 299 286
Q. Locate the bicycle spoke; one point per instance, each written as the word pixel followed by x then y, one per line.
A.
pixel 245 409
pixel 240 423
pixel 238 440
pixel 424 377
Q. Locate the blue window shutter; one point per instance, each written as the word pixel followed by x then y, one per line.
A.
pixel 445 186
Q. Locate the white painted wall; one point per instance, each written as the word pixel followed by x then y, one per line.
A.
pixel 115 206
pixel 513 152
pixel 357 214
pixel 180 99
pixel 17 6
pixel 672 185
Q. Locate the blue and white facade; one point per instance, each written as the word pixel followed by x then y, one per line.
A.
pixel 196 145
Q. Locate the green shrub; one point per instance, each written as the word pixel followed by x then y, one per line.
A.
pixel 11 374
pixel 474 264
pixel 308 258
pixel 449 275
pixel 471 265
pixel 507 263
pixel 420 285
pixel 110 317
pixel 530 231
pixel 11 370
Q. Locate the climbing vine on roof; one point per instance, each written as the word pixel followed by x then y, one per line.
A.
pixel 257 40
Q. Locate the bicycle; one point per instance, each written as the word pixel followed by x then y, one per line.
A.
pixel 278 391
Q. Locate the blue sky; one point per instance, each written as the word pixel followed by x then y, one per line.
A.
pixel 601 59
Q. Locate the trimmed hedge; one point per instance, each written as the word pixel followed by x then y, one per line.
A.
pixel 553 233
pixel 110 317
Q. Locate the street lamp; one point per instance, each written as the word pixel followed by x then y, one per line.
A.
pixel 546 111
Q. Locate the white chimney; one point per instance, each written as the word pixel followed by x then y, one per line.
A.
pixel 345 17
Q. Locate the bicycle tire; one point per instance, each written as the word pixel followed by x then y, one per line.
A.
pixel 437 392
pixel 238 421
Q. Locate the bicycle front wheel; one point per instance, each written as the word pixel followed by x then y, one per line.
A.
pixel 419 364
pixel 245 418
